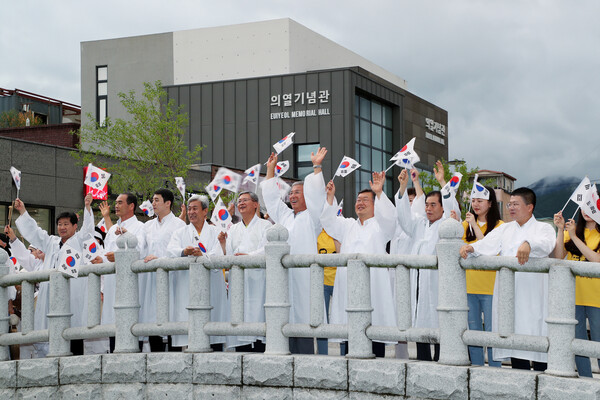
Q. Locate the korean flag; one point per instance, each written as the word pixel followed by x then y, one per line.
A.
pixel 346 166
pixel 406 157
pixel 451 187
pixel 228 179
pixel 282 167
pixel 14 264
pixel 284 143
pixel 213 190
pixel 95 177
pixel 180 186
pixel 91 249
pixel 479 191
pixel 252 174
pixel 591 205
pixel 147 208
pixel 69 261
pixel 221 217
pixel 16 175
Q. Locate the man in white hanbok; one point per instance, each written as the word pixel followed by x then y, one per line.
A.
pixel 423 231
pixel 304 226
pixel 158 232
pixel 125 206
pixel 66 226
pixel 194 240
pixel 249 237
pixel 524 237
pixel 369 233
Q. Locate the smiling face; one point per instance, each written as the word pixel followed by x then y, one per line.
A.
pixel 519 211
pixel 246 206
pixel 480 206
pixel 297 198
pixel 433 208
pixel 364 206
pixel 196 214
pixel 65 228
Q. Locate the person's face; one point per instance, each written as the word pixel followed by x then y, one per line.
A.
pixel 411 197
pixel 65 228
pixel 160 207
pixel 297 198
pixel 246 206
pixel 364 206
pixel 122 209
pixel 586 217
pixel 519 211
pixel 433 208
pixel 480 206
pixel 196 214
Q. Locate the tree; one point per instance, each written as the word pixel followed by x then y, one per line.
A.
pixel 13 119
pixel 144 152
pixel 429 182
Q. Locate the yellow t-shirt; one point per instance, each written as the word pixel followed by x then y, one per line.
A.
pixel 326 245
pixel 587 290
pixel 479 282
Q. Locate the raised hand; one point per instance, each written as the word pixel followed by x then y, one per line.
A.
pixel 318 158
pixel 10 232
pixel 271 164
pixel 403 177
pixel 470 218
pixel 20 207
pixel 438 172
pixel 330 191
pixel 570 227
pixel 414 175
pixel 378 179
pixel 87 200
pixel 105 209
pixel 559 220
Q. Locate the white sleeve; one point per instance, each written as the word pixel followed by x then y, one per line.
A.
pixel 407 221
pixel 491 244
pixel 542 241
pixel 334 226
pixel 176 245
pixel 417 207
pixel 34 234
pixel 24 256
pixel 315 197
pixel 385 214
pixel 276 208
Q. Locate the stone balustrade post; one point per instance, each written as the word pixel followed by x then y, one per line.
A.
pixel 452 295
pixel 127 303
pixel 506 302
pixel 59 314
pixel 359 310
pixel 236 293
pixel 199 308
pixel 4 269
pixel 561 321
pixel 277 306
pixel 162 296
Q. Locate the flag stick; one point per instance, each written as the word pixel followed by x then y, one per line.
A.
pixel 10 210
pixel 563 209
pixel 575 213
pixel 390 167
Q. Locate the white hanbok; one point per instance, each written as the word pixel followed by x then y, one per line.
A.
pixel 531 289
pixel 158 234
pixel 50 245
pixel 424 236
pixel 24 256
pixel 135 227
pixel 180 280
pixel 304 229
pixel 369 237
pixel 250 239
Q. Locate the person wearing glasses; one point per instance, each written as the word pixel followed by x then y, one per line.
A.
pixel 524 237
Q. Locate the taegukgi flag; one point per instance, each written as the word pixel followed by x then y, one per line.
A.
pixel 581 190
pixel 213 190
pixel 283 187
pixel 14 264
pixel 346 166
pixel 284 143
pixel 101 225
pixel 282 167
pixel 591 204
pixel 340 209
pixel 180 183
pixel 451 187
pixel 252 174
pixel 406 157
pixel 95 177
pixel 479 191
pixel 91 249
pixel 16 175
pixel 227 179
pixel 221 217
pixel 147 208
pixel 69 260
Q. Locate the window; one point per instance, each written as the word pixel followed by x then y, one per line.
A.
pixel 43 216
pixel 304 165
pixel 101 94
pixel 373 136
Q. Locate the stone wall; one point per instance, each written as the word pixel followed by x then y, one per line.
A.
pixel 260 376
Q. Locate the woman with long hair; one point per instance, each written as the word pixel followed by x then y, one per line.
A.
pixel 480 284
pixel 581 242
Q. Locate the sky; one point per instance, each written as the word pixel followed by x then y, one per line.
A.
pixel 520 79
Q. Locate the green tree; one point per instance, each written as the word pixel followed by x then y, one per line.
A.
pixel 144 152
pixel 429 181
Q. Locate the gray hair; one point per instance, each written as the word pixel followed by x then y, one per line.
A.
pixel 300 183
pixel 201 198
pixel 252 195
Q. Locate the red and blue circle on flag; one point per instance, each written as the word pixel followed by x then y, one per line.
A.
pixel 14 260
pixel 71 261
pixel 479 187
pixel 283 140
pixel 251 173
pixel 223 214
pixel 92 248
pixel 454 181
pixel 227 179
pixel 345 164
pixel 145 210
pixel 201 247
pixel 94 177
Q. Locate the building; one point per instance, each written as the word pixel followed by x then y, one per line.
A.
pixel 503 185
pixel 247 86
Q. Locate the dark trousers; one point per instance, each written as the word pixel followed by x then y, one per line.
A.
pixel 300 345
pixel 256 347
pixel 378 349
pixel 519 363
pixel 158 345
pixel 77 347
pixel 424 352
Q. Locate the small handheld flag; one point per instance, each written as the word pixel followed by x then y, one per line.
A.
pixel 283 187
pixel 102 225
pixel 406 157
pixel 213 190
pixel 95 177
pixel 591 204
pixel 580 192
pixel 91 249
pixel 14 264
pixel 180 186
pixel 451 187
pixel 147 208
pixel 69 261
pixel 340 209
pixel 221 217
pixel 281 167
pixel 346 166
pixel 479 191
pixel 227 179
pixel 284 143
pixel 16 175
pixel 252 174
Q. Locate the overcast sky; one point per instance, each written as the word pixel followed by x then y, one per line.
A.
pixel 520 79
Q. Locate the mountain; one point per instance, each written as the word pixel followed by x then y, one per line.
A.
pixel 552 193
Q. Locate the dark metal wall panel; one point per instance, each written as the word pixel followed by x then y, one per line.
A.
pixel 264 125
pixel 218 123
pixel 195 118
pixel 206 119
pixel 229 139
pixel 241 116
pixel 184 102
pixel 253 141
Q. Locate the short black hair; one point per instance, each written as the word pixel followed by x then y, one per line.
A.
pixel 411 191
pixel 131 199
pixel 72 217
pixel 526 194
pixel 166 195
pixel 436 193
pixel 367 191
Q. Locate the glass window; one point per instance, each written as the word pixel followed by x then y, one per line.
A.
pixel 304 151
pixel 365 132
pixel 102 89
pixel 388 139
pixel 376 135
pixel 376 112
pixel 376 160
pixel 304 164
pixel 103 73
pixel 356 129
pixel 101 94
pixel 387 116
pixel 365 157
pixel 365 108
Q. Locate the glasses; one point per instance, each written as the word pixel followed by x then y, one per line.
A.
pixel 244 200
pixel 513 205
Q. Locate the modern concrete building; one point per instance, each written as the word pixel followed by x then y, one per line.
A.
pixel 246 86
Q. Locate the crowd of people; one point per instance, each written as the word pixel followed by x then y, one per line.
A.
pixel 407 225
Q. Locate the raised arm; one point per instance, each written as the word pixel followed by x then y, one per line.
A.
pixel 317 160
pixel 588 253
pixel 559 247
pixel 414 175
pixel 438 172
pixel 30 229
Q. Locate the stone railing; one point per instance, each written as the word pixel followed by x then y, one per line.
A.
pixel 452 334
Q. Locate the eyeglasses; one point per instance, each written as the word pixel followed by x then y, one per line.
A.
pixel 513 205
pixel 244 200
pixel 364 200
